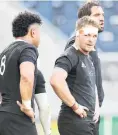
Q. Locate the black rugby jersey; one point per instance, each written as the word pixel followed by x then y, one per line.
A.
pixel 11 58
pixel 81 77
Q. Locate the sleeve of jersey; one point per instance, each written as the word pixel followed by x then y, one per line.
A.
pixel 64 62
pixel 40 83
pixel 28 54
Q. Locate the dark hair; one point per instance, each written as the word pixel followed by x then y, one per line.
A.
pixel 22 22
pixel 85 10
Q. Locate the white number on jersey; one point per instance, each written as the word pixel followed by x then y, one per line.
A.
pixel 2 65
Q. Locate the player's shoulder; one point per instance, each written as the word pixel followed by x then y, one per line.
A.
pixel 70 42
pixel 21 46
pixel 24 45
pixel 71 54
pixel 71 51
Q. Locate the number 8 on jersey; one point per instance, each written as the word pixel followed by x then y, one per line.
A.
pixel 2 65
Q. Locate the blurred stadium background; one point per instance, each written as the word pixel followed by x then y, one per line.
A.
pixel 59 19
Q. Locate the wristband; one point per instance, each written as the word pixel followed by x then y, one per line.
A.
pixel 74 106
pixel 27 104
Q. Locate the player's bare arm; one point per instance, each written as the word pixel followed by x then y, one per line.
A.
pixel 58 82
pixel 26 87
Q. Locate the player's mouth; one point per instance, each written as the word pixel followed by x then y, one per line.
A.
pixel 89 45
pixel 102 25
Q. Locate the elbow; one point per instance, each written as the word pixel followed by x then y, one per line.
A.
pixel 28 77
pixel 53 81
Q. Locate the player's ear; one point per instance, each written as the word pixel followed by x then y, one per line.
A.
pixel 32 32
pixel 77 33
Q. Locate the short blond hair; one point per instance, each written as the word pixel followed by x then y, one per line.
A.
pixel 84 21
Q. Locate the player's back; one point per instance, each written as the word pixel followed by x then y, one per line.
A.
pixel 10 76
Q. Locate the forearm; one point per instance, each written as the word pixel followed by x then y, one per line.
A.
pixel 61 89
pixel 99 82
pixel 100 88
pixel 26 87
pixel 0 98
pixel 100 96
pixel 64 94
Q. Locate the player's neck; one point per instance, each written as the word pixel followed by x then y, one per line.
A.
pixel 77 47
pixel 85 53
pixel 25 39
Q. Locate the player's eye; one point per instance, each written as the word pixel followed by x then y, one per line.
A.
pixel 95 36
pixel 97 15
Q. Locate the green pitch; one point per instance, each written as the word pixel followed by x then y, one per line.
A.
pixel 53 128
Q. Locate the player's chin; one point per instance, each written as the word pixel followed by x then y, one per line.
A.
pixel 37 45
pixel 89 49
pixel 101 29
